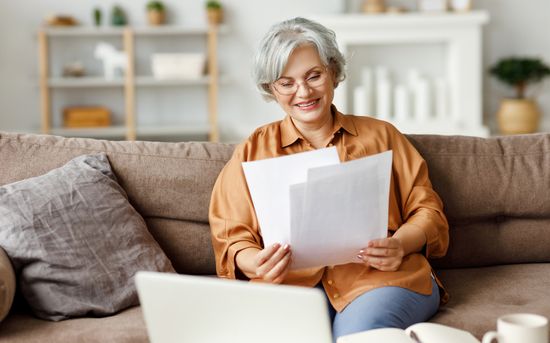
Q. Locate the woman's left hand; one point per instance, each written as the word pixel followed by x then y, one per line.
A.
pixel 384 254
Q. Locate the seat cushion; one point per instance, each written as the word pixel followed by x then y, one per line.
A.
pixel 480 295
pixel 125 327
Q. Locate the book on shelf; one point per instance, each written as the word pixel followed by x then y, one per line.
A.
pixel 417 333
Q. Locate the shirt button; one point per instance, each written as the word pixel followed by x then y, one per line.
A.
pixel 336 296
pixel 330 282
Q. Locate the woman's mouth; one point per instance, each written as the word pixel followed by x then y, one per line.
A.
pixel 307 105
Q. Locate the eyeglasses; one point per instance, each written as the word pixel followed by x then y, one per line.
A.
pixel 287 86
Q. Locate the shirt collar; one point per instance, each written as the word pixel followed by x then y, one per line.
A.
pixel 290 134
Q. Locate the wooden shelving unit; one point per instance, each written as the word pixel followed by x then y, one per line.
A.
pixel 130 81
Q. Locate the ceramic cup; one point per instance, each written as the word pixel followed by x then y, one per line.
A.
pixel 519 328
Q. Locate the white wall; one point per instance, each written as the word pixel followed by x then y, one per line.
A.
pixel 516 28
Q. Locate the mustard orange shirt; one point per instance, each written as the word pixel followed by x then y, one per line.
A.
pixel 412 202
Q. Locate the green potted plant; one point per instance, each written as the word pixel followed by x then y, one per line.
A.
pixel 118 17
pixel 214 12
pixel 519 114
pixel 156 14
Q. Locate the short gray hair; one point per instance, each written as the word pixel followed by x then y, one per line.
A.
pixel 279 43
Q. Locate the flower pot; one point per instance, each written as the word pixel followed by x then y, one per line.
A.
pixel 374 6
pixel 155 17
pixel 215 16
pixel 518 116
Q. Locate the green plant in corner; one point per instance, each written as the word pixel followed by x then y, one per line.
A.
pixel 519 72
pixel 520 114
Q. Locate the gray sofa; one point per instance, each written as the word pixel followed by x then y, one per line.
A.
pixel 495 193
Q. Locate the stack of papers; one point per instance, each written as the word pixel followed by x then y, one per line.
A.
pixel 325 210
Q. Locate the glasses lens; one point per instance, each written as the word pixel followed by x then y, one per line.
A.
pixel 287 87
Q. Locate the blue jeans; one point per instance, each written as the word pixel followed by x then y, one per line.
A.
pixel 384 307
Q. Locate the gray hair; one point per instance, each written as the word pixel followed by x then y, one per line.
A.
pixel 279 43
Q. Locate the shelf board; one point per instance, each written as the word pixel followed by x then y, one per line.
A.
pixel 152 81
pixel 79 31
pixel 172 130
pixel 141 131
pixel 413 19
pixel 92 31
pixel 142 81
pixel 93 132
pixel 174 30
pixel 84 82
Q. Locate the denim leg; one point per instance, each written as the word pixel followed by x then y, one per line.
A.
pixel 385 307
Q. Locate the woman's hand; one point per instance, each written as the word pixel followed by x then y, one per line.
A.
pixel 270 264
pixel 384 254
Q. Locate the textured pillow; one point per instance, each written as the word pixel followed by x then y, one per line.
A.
pixel 75 241
pixel 7 284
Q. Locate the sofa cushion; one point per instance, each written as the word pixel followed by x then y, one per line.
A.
pixel 495 195
pixel 7 284
pixel 124 327
pixel 75 240
pixel 478 296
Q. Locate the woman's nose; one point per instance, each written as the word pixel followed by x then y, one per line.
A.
pixel 304 90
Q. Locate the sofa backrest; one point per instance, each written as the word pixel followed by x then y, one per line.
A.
pixel 168 183
pixel 496 197
pixel 495 191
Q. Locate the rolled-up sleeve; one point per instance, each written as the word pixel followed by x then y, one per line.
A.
pixel 233 222
pixel 420 205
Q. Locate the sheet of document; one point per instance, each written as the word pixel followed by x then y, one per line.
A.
pixel 269 181
pixel 326 210
pixel 339 209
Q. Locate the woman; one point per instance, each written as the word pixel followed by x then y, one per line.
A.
pixel 299 66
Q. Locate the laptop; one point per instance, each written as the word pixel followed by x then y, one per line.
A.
pixel 198 309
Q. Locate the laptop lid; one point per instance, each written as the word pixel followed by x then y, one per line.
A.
pixel 184 308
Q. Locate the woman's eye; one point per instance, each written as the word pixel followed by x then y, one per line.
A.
pixel 286 85
pixel 314 77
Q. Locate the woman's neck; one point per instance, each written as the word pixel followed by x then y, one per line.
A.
pixel 317 134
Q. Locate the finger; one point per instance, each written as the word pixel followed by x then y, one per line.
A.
pixel 383 243
pixel 383 264
pixel 266 254
pixel 382 252
pixel 282 269
pixel 273 260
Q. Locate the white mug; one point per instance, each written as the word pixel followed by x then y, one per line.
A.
pixel 519 328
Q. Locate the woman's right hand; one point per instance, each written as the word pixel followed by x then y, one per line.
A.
pixel 270 264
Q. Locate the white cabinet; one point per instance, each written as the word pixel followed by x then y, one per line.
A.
pixel 444 48
pixel 132 116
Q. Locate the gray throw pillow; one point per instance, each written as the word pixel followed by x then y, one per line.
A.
pixel 75 241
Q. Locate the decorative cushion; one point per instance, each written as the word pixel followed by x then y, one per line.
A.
pixel 7 284
pixel 75 241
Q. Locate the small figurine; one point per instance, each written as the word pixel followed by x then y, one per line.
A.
pixel 112 59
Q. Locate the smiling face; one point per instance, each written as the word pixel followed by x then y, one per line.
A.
pixel 309 106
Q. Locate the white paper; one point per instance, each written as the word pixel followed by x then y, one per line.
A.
pixel 344 207
pixel 326 210
pixel 269 181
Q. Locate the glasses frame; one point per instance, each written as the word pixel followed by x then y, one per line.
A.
pixel 304 82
